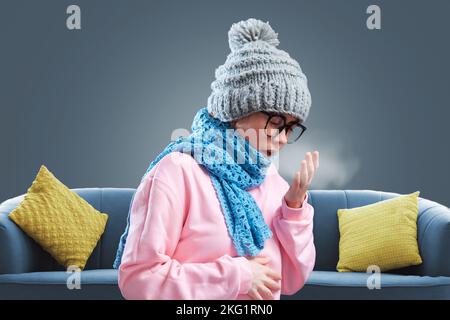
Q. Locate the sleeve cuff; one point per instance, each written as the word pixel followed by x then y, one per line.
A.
pixel 246 275
pixel 305 211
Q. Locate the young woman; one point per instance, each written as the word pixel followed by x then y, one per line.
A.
pixel 212 218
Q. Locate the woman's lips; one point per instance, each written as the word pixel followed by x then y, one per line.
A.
pixel 268 152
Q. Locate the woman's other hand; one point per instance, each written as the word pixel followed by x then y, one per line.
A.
pixel 265 279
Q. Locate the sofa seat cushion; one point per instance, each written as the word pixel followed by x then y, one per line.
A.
pixel 102 284
pixel 94 284
pixel 353 285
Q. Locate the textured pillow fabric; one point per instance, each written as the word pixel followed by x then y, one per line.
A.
pixel 382 234
pixel 59 220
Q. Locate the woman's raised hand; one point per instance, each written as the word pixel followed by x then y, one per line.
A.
pixel 296 194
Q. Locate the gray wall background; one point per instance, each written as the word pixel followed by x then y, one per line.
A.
pixel 98 104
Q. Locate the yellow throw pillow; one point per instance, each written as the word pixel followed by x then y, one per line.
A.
pixel 382 234
pixel 59 220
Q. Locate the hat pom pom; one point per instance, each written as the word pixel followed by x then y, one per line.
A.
pixel 251 30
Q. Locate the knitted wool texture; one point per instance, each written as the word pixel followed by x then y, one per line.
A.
pixel 257 76
pixel 234 166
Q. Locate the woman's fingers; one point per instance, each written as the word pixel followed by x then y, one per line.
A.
pixel 308 168
pixel 255 294
pixel 310 164
pixel 274 275
pixel 303 175
pixel 271 284
pixel 316 159
pixel 263 259
pixel 266 293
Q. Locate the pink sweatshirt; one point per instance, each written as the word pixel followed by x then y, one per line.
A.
pixel 178 246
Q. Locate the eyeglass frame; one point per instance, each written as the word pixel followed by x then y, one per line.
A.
pixel 284 126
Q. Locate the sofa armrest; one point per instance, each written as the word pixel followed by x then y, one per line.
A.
pixel 14 251
pixel 18 252
pixel 434 238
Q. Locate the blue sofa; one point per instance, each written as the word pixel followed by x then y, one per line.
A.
pixel 28 272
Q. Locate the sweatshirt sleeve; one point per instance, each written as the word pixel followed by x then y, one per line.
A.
pixel 294 229
pixel 148 270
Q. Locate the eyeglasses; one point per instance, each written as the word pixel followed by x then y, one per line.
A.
pixel 276 123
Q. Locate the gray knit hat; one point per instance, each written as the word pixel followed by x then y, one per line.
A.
pixel 257 76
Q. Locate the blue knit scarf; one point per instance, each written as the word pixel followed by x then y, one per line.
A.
pixel 234 166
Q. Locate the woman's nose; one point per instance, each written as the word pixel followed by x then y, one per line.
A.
pixel 282 137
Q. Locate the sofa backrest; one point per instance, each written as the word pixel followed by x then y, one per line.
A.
pixel 326 226
pixel 115 202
